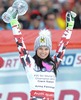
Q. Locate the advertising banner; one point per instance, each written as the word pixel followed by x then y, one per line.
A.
pixel 68 90
pixel 13 77
pixel 13 81
pixel 72 59
pixel 14 91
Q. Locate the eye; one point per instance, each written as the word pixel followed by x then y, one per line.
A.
pixel 40 48
pixel 46 48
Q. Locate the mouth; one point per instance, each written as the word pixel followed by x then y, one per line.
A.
pixel 42 55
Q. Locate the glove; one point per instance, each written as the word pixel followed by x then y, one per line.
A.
pixel 14 22
pixel 70 16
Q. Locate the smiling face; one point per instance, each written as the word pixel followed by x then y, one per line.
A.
pixel 43 52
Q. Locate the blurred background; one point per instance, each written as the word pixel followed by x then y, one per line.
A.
pixel 42 14
pixel 49 14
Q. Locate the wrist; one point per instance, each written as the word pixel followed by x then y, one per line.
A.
pixel 14 22
pixel 70 25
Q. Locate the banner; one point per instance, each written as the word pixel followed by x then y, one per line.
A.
pixel 14 91
pixel 68 90
pixel 7 42
pixel 72 59
pixel 13 81
pixel 13 75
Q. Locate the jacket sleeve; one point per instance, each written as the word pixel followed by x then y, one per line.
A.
pixel 62 47
pixel 70 16
pixel 26 59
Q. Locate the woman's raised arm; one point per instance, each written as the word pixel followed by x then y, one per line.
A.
pixel 26 59
pixel 65 38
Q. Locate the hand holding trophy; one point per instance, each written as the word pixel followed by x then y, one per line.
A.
pixel 18 8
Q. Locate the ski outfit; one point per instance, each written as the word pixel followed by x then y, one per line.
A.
pixel 41 80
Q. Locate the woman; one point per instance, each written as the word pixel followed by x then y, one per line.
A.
pixel 41 69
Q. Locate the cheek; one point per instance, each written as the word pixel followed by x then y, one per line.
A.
pixel 47 52
pixel 38 52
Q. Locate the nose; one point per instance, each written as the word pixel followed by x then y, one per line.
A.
pixel 43 51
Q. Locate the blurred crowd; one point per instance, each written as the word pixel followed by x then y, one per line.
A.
pixel 49 14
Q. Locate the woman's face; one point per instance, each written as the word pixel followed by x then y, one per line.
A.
pixel 43 52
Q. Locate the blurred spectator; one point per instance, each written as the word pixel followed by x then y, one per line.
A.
pixel 50 20
pixel 59 20
pixel 42 2
pixel 10 2
pixel 1 8
pixel 50 3
pixel 45 20
pixel 24 22
pixel 77 24
pixel 34 4
pixel 2 24
pixel 43 9
pixel 35 20
pixel 66 6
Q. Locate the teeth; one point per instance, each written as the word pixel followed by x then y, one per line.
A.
pixel 42 55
